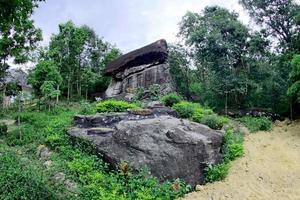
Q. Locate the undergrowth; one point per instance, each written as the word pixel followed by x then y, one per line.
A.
pixel 232 149
pixel 76 159
pixel 255 124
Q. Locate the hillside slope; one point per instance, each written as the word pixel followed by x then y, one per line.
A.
pixel 270 168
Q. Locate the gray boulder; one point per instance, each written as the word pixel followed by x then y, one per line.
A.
pixel 140 68
pixel 169 147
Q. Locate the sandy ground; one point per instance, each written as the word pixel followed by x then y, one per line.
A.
pixel 269 170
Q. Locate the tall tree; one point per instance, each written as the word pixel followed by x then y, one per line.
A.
pixel 44 76
pixel 18 35
pixel 294 89
pixel 180 69
pixel 279 17
pixel 78 51
pixel 219 44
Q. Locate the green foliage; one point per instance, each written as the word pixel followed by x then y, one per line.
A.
pixel 171 99
pixel 78 160
pixel 152 93
pixel 18 35
pixel 219 42
pixel 3 129
pixel 21 181
pixel 43 78
pixel 87 108
pixel 216 172
pixel 22 135
pixel 180 69
pixel 81 56
pixel 187 109
pixel 278 16
pixel 232 148
pixel 294 89
pixel 255 124
pixel 113 105
pixel 233 145
pixel 212 121
pixel 199 114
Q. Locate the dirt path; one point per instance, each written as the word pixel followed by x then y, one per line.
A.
pixel 270 169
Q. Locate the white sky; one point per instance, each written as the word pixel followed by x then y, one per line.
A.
pixel 129 24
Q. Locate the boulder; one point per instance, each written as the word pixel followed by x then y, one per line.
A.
pixel 140 68
pixel 169 147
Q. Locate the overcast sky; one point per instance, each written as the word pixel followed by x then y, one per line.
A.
pixel 129 24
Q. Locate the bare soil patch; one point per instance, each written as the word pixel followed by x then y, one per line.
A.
pixel 269 170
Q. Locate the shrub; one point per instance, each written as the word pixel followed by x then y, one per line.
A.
pixel 20 181
pixel 3 129
pixel 216 172
pixel 197 116
pixel 171 99
pixel 233 145
pixel 214 121
pixel 255 124
pixel 86 108
pixel 113 105
pixel 187 109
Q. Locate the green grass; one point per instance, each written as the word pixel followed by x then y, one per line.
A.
pixel 255 124
pixel 77 159
pixel 21 180
pixel 113 105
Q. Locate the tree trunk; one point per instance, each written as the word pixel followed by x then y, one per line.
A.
pixel 4 91
pixel 68 95
pixel 86 94
pixel 57 96
pixel 291 108
pixel 19 113
pixel 226 106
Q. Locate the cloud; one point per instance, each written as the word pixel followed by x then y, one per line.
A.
pixel 127 24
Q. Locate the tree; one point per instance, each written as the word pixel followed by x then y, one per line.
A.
pixel 77 50
pixel 18 35
pixel 279 17
pixel 219 45
pixel 43 77
pixel 294 89
pixel 180 69
pixel 49 92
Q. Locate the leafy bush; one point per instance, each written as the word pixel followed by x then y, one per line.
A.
pixel 171 99
pixel 233 145
pixel 152 93
pixel 86 108
pixel 216 172
pixel 20 181
pixel 3 129
pixel 187 109
pixel 213 121
pixel 232 149
pixel 255 124
pixel 113 105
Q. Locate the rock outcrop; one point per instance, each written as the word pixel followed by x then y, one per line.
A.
pixel 169 147
pixel 140 68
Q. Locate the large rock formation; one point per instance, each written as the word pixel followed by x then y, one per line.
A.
pixel 169 147
pixel 140 68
